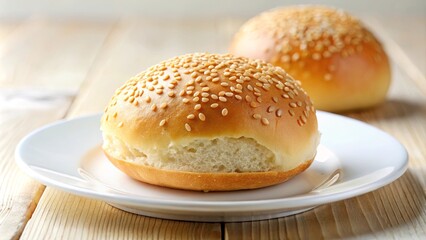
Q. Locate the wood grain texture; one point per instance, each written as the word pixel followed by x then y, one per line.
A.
pixel 48 54
pixel 396 211
pixel 131 47
pixel 41 70
pixel 64 216
pixel 19 114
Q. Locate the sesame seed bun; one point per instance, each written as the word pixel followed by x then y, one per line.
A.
pixel 339 62
pixel 212 123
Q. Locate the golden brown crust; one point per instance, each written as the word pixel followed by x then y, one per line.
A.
pixel 339 62
pixel 206 181
pixel 208 96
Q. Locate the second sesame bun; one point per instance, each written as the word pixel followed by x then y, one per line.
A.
pixel 340 63
pixel 211 122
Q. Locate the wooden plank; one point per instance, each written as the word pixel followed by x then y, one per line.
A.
pixel 396 211
pixel 49 54
pixel 66 216
pixel 23 109
pixel 133 46
pixel 19 194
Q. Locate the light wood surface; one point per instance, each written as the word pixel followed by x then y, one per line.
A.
pixel 51 69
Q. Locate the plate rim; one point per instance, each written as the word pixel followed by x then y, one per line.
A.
pixel 210 205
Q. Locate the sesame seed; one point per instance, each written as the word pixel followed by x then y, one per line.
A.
pixel 275 99
pixel 196 99
pixel 185 100
pixel 162 122
pixel 187 127
pixel 248 98
pixel 204 94
pixel 238 97
pixel 256 116
pixel 202 117
pixel 205 89
pixel 293 104
pixel 214 105
pixel 224 112
pixel 327 77
pixel 190 116
pixel 120 124
pixel 291 112
pixel 197 107
pixel 265 121
pixel 154 107
pixel 164 105
pixel 222 99
pixel 299 103
pixel 214 96
pixel 270 109
pixel 114 115
pixel 229 94
pixel 254 105
pixel 224 84
pixel 171 94
pixel 279 113
pixel 204 100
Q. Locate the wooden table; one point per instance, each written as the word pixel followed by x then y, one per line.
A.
pixel 52 69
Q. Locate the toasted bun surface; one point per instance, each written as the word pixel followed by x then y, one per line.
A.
pixel 340 63
pixel 211 119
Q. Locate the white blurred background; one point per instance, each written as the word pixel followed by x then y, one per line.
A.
pixel 106 9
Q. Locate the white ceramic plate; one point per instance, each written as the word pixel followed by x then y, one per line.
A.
pixel 353 158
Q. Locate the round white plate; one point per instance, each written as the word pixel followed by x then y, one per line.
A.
pixel 353 158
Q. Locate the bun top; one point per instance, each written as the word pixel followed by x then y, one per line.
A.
pixel 209 96
pixel 299 32
pixel 335 57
